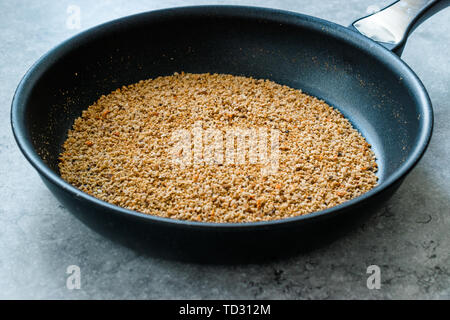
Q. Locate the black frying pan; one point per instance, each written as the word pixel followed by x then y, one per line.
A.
pixel 368 83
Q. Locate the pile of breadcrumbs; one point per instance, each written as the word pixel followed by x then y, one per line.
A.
pixel 119 150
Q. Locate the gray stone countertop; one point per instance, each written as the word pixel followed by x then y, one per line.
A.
pixel 408 239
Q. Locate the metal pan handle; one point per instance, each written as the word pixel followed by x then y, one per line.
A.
pixel 391 26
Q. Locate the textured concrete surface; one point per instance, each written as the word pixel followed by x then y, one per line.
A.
pixel 409 238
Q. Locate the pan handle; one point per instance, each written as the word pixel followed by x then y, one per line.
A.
pixel 391 26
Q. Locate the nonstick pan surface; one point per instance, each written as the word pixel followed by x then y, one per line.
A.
pixel 369 84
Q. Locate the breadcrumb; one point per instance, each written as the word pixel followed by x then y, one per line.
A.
pixel 119 150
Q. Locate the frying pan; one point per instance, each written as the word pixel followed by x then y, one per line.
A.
pixel 366 80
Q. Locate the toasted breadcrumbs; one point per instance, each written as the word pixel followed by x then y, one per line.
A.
pixel 119 150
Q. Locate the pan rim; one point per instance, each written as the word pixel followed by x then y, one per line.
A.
pixel 382 54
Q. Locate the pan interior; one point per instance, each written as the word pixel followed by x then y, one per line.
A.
pixel 299 52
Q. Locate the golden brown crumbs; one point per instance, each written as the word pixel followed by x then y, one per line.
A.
pixel 119 150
